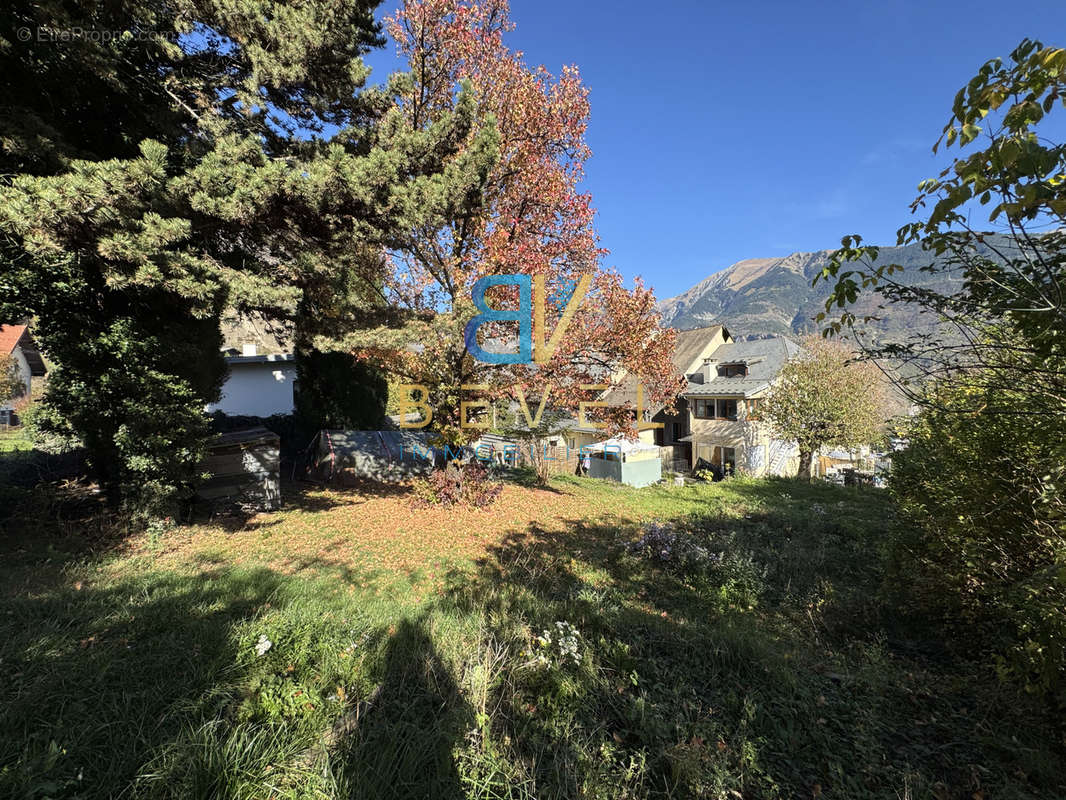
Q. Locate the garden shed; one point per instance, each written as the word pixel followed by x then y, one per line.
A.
pixel 387 456
pixel 634 463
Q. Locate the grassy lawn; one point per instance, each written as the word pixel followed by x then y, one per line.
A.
pixel 404 658
pixel 13 439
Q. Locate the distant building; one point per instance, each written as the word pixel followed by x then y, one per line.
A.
pixel 716 415
pixel 16 341
pixel 691 350
pixel 257 385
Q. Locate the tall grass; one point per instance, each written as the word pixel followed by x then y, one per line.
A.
pixel 785 669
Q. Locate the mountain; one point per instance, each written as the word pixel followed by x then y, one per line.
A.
pixel 774 296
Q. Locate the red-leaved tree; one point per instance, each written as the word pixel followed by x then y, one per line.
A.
pixel 532 219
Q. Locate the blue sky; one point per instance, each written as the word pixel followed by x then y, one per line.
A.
pixel 730 130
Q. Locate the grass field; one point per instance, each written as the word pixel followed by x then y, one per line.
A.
pixel 350 646
pixel 13 439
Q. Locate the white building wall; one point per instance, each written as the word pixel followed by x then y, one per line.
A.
pixel 257 390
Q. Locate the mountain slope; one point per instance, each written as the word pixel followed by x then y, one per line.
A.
pixel 774 296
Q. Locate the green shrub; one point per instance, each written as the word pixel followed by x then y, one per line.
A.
pixel 991 547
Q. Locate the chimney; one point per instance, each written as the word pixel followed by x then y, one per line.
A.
pixel 248 349
pixel 710 369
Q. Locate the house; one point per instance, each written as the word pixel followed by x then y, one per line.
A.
pixel 691 350
pixel 261 377
pixel 257 385
pixel 16 341
pixel 723 407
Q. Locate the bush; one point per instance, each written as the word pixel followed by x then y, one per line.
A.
pixel 45 430
pixel 467 484
pixel 715 562
pixel 991 548
pixel 673 549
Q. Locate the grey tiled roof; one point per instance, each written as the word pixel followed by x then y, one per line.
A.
pixel 686 349
pixel 765 358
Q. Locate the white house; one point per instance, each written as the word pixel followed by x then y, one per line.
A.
pixel 257 385
pixel 15 341
pixel 723 400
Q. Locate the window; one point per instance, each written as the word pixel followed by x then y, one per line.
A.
pixel 726 458
pixel 753 409
pixel 677 430
pixel 727 409
pixel 715 408
pixel 732 370
pixel 729 458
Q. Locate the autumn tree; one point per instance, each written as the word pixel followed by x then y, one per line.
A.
pixel 532 220
pixel 825 398
pixel 201 155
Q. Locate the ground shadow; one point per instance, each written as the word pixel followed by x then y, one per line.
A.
pixel 403 743
pixel 715 696
pixel 100 679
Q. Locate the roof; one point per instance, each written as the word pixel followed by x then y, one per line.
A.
pixel 573 426
pixel 764 357
pixel 622 445
pixel 688 347
pixel 268 336
pixel 9 338
pixel 690 344
pixel 231 360
pixel 12 336
pixel 839 455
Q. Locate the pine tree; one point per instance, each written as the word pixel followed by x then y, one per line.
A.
pixel 177 158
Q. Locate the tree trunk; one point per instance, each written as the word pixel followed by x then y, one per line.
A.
pixel 805 465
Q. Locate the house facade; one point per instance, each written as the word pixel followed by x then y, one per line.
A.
pixel 691 350
pixel 261 368
pixel 257 385
pixel 716 416
pixel 16 341
pixel 723 400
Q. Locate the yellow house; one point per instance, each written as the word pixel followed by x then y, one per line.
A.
pixel 691 350
pixel 723 407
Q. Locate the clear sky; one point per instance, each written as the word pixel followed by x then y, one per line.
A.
pixel 730 130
